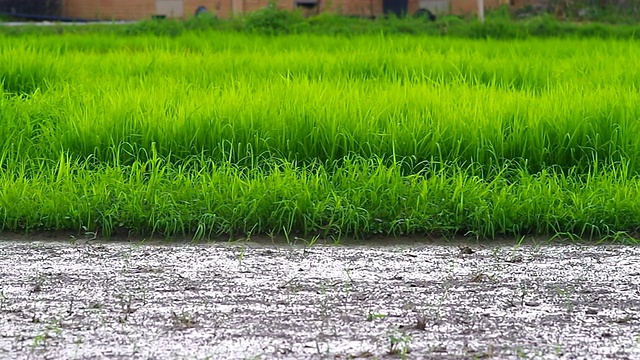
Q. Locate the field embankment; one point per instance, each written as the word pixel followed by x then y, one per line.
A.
pixel 212 133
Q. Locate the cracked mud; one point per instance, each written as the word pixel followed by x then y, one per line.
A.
pixel 253 301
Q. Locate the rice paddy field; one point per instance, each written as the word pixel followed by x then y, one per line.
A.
pixel 223 133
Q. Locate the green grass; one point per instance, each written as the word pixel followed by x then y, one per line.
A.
pixel 219 132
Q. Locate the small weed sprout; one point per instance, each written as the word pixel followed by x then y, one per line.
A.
pixel 37 284
pixel 241 255
pixel 183 320
pixel 399 344
pixel 421 322
pixel 371 316
pixel 3 299
pixel 566 298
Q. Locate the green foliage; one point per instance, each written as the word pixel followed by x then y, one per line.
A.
pixel 614 12
pixel 271 20
pixel 162 27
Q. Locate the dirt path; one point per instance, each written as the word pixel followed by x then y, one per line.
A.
pixel 235 301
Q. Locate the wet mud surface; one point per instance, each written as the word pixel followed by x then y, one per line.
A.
pixel 251 301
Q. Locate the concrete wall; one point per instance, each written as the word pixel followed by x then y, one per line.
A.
pixel 141 9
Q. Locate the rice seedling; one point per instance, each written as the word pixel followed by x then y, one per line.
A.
pixel 211 133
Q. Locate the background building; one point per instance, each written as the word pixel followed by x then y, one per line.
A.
pixel 140 9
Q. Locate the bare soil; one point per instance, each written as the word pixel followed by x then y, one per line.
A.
pixel 91 300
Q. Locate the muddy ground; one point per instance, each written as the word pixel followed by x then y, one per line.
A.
pixel 90 300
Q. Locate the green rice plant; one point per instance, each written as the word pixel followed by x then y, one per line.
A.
pixel 362 197
pixel 360 99
pixel 209 133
